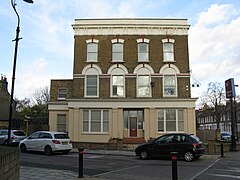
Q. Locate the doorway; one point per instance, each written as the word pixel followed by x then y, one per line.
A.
pixel 133 126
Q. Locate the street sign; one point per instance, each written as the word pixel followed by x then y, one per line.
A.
pixel 230 88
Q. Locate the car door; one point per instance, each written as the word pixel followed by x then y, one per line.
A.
pixel 162 146
pixel 3 134
pixel 178 143
pixel 31 141
pixel 43 139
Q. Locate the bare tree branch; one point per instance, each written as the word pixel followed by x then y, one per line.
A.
pixel 41 95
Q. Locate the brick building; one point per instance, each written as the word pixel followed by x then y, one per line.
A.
pixel 130 81
pixel 4 102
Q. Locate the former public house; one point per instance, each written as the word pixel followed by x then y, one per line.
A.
pixel 131 82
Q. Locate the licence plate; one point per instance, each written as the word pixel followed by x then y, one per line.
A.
pixel 64 143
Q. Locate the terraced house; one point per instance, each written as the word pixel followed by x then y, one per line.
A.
pixel 131 82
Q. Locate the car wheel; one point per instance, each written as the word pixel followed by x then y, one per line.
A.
pixel 144 154
pixel 48 150
pixel 23 148
pixel 188 156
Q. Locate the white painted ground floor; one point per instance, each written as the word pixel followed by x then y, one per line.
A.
pixel 103 120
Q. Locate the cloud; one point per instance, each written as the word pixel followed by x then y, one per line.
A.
pixel 215 14
pixel 34 76
pixel 214 43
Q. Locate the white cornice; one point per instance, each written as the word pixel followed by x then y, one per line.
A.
pixel 130 26
pixel 123 103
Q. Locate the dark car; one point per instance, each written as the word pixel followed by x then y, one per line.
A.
pixel 188 146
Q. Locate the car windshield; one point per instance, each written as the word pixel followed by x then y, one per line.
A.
pixel 61 136
pixel 19 133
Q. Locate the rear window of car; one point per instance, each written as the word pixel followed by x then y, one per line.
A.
pixel 4 132
pixel 61 136
pixel 225 134
pixel 19 133
pixel 195 138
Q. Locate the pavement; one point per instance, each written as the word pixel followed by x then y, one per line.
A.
pixel 213 171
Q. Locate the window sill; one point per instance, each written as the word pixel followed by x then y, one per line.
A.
pixel 117 61
pixel 91 61
pixel 169 61
pixel 144 97
pixel 61 99
pixel 95 133
pixel 170 96
pixel 143 61
pixel 117 96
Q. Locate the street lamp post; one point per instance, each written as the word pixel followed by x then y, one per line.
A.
pixel 13 3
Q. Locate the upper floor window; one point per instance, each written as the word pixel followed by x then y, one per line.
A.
pixel 62 93
pixel 143 86
pixel 117 50
pixel 168 49
pixel 92 50
pixel 169 85
pixel 118 85
pixel 143 52
pixel 143 82
pixel 91 85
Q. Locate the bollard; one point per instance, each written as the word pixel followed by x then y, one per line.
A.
pixel 222 152
pixel 174 165
pixel 80 170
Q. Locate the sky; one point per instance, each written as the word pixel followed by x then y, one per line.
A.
pixel 45 51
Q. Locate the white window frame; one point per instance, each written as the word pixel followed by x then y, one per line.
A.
pixel 89 121
pixel 177 120
pixel 140 86
pixel 166 51
pixel 94 52
pixel 122 85
pixel 164 85
pixel 62 124
pixel 141 42
pixel 86 86
pixel 117 42
pixel 62 93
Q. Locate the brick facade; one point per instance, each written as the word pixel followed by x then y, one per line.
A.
pixel 129 30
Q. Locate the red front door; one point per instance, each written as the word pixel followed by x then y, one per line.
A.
pixel 133 126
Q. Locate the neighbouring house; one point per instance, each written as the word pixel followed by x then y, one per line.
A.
pixel 131 82
pixel 4 102
pixel 208 118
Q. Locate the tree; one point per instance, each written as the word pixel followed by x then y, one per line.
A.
pixel 35 108
pixel 41 95
pixel 23 106
pixel 215 98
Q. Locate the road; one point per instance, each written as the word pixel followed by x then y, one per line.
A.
pixel 119 167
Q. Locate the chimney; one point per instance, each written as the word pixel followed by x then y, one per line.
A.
pixel 3 83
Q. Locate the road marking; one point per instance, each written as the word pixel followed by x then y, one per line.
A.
pixel 231 169
pixel 224 175
pixel 198 174
pixel 94 156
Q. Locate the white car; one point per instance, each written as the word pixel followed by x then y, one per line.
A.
pixel 47 142
pixel 16 137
